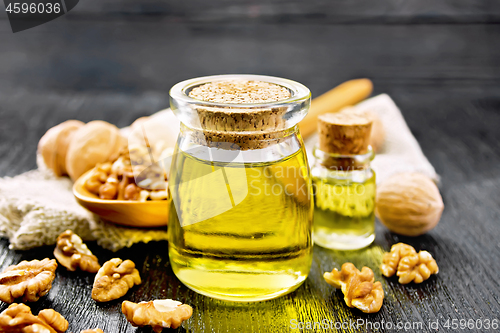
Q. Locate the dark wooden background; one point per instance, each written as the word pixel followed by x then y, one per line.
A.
pixel 439 60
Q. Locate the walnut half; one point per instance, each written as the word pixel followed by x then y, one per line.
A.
pixel 28 280
pixel 408 264
pixel 18 318
pixel 72 253
pixel 95 330
pixel 358 288
pixel 114 279
pixel 159 314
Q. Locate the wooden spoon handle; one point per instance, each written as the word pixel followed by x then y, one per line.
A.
pixel 345 94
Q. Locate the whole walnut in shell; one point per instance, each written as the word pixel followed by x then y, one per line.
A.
pixel 54 144
pixel 96 142
pixel 409 204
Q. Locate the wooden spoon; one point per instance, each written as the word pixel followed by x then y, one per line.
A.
pixel 142 214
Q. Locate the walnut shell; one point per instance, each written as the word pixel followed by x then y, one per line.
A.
pixel 54 144
pixel 96 142
pixel 409 204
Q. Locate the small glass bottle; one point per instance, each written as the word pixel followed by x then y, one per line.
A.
pixel 343 182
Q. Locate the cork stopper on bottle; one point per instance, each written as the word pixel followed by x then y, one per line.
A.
pixel 345 133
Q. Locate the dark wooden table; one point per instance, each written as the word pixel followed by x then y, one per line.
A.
pixel 440 61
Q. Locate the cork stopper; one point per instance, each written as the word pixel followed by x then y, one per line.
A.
pixel 240 92
pixel 345 133
pixel 242 128
pixel 237 119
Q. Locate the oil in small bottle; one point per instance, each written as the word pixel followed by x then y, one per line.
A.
pixel 343 182
pixel 344 216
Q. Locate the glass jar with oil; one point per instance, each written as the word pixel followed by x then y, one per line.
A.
pixel 241 216
pixel 344 182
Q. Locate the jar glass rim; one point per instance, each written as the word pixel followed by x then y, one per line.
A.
pixel 299 92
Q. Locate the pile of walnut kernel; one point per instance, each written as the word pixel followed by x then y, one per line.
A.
pixel 30 280
pixel 130 177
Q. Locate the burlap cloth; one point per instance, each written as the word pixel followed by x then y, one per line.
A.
pixel 36 206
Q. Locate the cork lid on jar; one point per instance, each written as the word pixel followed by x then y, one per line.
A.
pixel 240 92
pixel 244 111
pixel 240 103
pixel 346 132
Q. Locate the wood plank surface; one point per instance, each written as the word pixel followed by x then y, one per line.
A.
pixel 116 60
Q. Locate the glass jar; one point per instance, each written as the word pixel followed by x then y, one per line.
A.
pixel 241 216
pixel 344 200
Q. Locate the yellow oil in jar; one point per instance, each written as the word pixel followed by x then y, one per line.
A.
pixel 344 216
pixel 244 235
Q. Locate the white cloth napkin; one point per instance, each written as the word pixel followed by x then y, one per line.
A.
pixel 401 151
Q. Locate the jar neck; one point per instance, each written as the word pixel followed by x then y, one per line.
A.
pixel 214 147
pixel 230 140
pixel 343 163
